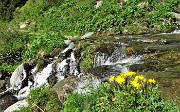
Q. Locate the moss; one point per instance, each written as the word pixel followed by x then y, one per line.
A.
pixel 85 53
pixel 134 29
pixel 87 57
pixel 40 64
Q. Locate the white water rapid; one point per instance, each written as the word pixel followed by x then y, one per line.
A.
pixel 118 59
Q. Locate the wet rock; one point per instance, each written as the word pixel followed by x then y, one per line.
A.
pixel 16 106
pixel 7 101
pixel 65 87
pixel 2 84
pixel 75 84
pixel 2 87
pixel 141 68
pixel 87 35
pixel 67 42
pixel 102 72
pixel 107 49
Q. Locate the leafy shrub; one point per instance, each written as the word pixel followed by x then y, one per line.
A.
pixel 125 92
pixel 45 42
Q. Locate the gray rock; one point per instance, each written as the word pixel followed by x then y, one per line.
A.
pixel 65 87
pixel 67 42
pixel 16 106
pixel 2 84
pixel 74 84
pixel 70 47
pixel 87 35
pixel 177 16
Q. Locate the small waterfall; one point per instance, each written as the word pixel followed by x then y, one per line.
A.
pixel 41 77
pixel 118 60
pixel 55 70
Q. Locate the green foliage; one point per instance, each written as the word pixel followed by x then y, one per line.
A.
pixel 87 58
pixel 74 16
pixel 44 98
pixel 45 42
pixel 125 92
pixel 12 47
pixel 17 46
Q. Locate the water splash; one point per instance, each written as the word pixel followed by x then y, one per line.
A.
pixel 117 60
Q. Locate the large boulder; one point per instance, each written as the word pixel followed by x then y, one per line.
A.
pixel 65 87
pixel 75 84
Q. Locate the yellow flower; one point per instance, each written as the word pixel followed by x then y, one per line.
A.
pixel 152 81
pixel 111 79
pixel 135 84
pixel 140 77
pixel 128 74
pixel 120 80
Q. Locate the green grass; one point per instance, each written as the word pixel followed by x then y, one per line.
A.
pixel 74 16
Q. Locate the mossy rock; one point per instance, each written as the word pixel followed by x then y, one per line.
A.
pixel 65 87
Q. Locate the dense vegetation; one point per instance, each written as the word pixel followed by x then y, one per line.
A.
pixel 48 21
pixel 113 16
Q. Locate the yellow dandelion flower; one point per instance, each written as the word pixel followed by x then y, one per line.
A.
pixel 140 78
pixel 120 80
pixel 128 74
pixel 135 84
pixel 111 78
pixel 152 81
